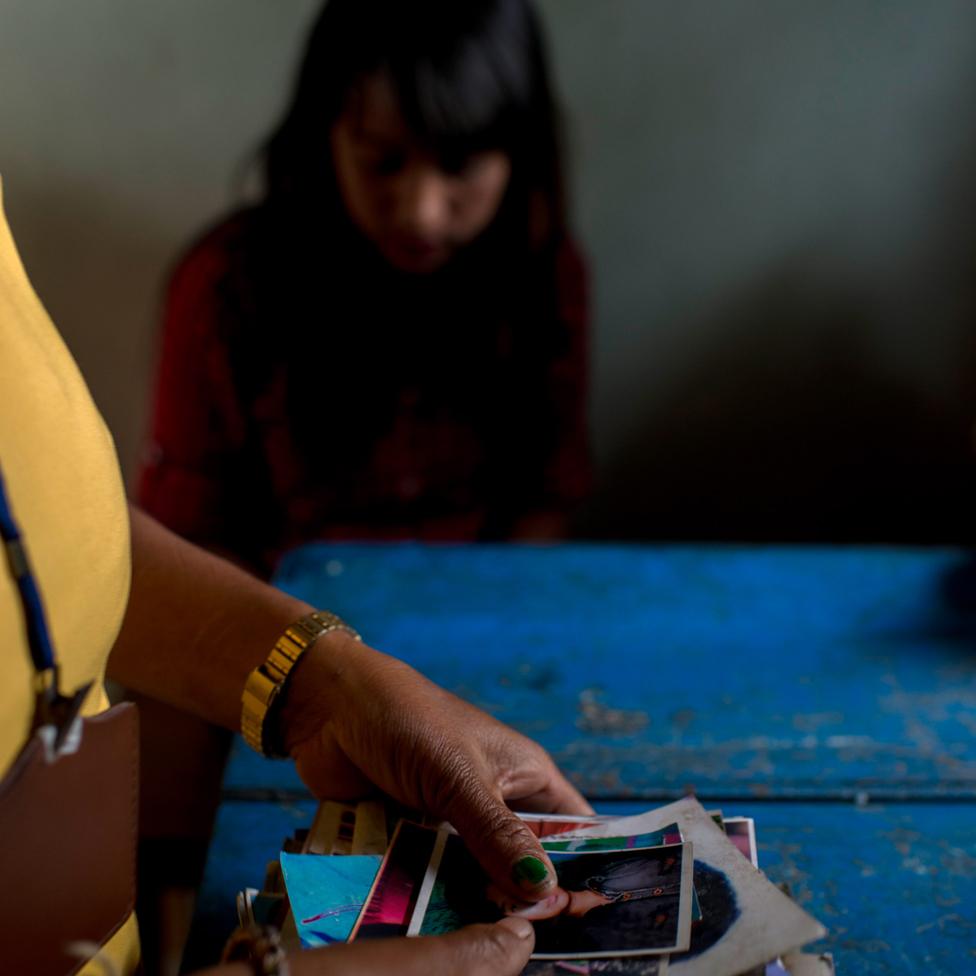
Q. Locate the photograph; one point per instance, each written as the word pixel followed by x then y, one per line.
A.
pixel 628 902
pixel 746 920
pixel 327 894
pixel 742 832
pixel 390 903
pixel 547 824
pixel 612 903
pixel 667 835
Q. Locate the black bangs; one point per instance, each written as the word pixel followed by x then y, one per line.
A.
pixel 468 75
pixel 466 80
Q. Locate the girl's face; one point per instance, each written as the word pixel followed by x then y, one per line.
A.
pixel 417 209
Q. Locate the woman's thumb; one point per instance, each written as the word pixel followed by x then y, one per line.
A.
pixel 493 950
pixel 503 845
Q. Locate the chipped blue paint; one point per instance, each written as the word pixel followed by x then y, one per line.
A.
pixel 763 677
pixel 787 672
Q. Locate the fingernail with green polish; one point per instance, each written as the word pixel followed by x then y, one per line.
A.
pixel 530 872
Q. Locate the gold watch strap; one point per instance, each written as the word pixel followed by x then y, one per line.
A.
pixel 265 683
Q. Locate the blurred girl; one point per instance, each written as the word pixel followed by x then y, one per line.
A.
pixel 391 343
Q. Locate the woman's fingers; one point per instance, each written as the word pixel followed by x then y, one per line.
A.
pixel 502 844
pixel 558 795
pixel 501 949
pixel 528 778
pixel 429 749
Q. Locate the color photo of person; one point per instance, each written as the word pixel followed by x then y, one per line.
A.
pixel 624 902
pixel 618 902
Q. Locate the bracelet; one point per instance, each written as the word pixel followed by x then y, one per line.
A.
pixel 265 683
pixel 259 945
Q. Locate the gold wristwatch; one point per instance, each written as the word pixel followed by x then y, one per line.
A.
pixel 265 683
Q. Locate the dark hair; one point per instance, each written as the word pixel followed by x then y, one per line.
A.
pixel 469 75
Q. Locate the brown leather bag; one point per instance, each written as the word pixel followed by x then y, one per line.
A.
pixel 68 845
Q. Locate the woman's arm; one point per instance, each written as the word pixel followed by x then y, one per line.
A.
pixel 195 626
pixel 353 719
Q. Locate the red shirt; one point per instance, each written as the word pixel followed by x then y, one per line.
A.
pixel 230 468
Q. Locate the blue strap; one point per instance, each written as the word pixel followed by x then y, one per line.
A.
pixel 38 637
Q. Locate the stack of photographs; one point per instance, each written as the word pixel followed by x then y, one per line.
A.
pixel 674 890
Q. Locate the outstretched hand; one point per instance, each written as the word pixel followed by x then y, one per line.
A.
pixel 355 720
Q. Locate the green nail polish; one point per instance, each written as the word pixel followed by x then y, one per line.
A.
pixel 530 872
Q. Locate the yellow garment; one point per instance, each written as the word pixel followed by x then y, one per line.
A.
pixel 64 486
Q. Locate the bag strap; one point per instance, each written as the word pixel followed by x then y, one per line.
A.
pixel 52 709
pixel 38 636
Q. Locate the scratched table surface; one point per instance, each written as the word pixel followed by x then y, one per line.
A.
pixel 829 693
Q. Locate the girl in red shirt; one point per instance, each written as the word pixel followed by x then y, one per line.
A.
pixel 391 342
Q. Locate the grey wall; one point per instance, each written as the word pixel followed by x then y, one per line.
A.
pixel 123 124
pixel 777 198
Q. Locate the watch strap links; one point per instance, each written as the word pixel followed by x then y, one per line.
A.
pixel 266 682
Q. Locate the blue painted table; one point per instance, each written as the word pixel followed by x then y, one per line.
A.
pixel 830 693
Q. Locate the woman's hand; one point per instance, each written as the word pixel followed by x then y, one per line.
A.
pixel 501 949
pixel 355 719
